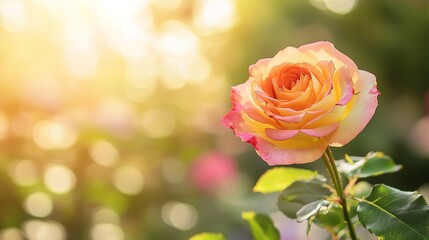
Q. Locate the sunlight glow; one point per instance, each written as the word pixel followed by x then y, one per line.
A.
pixel 13 15
pixel 214 15
pixel 80 51
pixel 178 40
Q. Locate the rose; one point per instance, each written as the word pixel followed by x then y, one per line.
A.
pixel 300 101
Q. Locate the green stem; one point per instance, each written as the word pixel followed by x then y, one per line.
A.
pixel 336 180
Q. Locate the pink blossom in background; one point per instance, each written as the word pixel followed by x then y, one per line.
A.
pixel 213 171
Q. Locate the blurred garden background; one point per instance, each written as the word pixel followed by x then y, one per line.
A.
pixel 110 110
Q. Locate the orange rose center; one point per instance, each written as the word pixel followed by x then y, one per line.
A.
pixel 286 78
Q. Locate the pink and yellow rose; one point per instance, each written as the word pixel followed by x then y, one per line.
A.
pixel 300 101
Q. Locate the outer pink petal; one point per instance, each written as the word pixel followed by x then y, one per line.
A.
pixel 233 119
pixel 361 112
pixel 325 51
pixel 275 155
pixel 257 70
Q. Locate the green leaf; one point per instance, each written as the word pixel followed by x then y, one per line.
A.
pixel 377 164
pixel 309 223
pixel 311 209
pixel 299 194
pixel 351 165
pixel 261 226
pixel 373 164
pixel 395 215
pixel 361 189
pixel 279 178
pixel 208 236
pixel 332 218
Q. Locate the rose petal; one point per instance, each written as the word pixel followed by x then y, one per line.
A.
pixel 274 154
pixel 289 119
pixel 365 103
pixel 280 134
pixel 321 131
pixel 289 55
pixel 258 116
pixel 234 118
pixel 301 102
pixel 325 51
pixel 257 70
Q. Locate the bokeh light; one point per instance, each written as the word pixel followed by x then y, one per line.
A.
pixel 340 6
pixel 180 215
pixel 59 179
pixel 107 231
pixel 38 204
pixel 214 15
pixel 39 230
pixel 105 215
pixel 104 153
pixel 336 6
pixel 53 135
pixel 24 172
pixel 11 234
pixel 128 180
